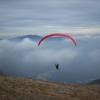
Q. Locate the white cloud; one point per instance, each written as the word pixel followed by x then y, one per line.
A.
pixel 26 45
pixel 88 37
pixel 27 58
pixel 50 55
pixel 28 52
pixel 94 55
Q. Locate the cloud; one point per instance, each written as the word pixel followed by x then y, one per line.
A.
pixel 94 55
pixel 28 52
pixel 43 76
pixel 30 17
pixel 50 55
pixel 26 58
pixel 26 45
pixel 87 37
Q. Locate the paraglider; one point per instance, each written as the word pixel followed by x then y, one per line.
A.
pixel 57 34
pixel 57 66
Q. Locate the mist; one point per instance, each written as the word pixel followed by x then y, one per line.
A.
pixel 79 63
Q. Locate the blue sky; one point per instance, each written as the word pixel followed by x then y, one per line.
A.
pixel 41 17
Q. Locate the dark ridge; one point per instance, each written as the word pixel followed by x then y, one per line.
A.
pixel 31 37
pixel 97 81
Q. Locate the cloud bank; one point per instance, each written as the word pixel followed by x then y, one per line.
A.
pixel 26 58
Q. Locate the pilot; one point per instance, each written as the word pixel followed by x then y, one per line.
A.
pixel 57 66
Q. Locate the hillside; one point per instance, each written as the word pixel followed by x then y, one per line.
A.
pixel 17 88
pixel 96 81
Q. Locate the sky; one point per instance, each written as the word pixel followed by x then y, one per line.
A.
pixel 41 17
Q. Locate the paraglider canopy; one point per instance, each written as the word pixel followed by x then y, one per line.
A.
pixel 57 34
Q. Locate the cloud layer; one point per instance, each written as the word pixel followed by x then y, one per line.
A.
pixel 43 17
pixel 26 58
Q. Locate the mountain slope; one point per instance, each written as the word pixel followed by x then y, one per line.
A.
pixel 97 81
pixel 31 37
pixel 34 38
pixel 16 88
